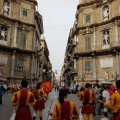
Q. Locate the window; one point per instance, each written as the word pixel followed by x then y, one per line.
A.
pixel 87 18
pixel 20 64
pixel 23 40
pixel 87 43
pixel 88 66
pixel 25 12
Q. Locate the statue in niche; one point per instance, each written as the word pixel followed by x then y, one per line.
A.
pixel 75 64
pixel 6 8
pixel 105 1
pixel 106 75
pixel 106 37
pixel 3 34
pixel 105 13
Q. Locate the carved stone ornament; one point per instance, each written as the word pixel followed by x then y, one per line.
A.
pixel 105 1
pixel 106 37
pixel 6 7
pixel 3 33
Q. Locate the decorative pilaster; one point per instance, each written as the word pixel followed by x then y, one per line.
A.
pixel 116 31
pixel 94 39
pixel 13 64
pixel 94 68
pixel 15 35
pixel 117 63
pixel 32 66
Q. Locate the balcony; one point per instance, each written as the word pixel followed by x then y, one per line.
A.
pixel 3 42
pixel 3 59
pixel 19 69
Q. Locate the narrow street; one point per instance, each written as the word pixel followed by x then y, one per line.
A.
pixel 6 108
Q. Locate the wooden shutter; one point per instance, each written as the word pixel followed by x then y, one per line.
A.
pixel 87 43
pixel 88 66
pixel 24 12
pixel 88 18
pixel 20 62
pixel 23 40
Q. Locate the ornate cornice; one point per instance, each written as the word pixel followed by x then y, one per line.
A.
pixel 96 24
pixel 18 50
pixel 101 52
pixel 8 19
pixel 98 3
pixel 32 1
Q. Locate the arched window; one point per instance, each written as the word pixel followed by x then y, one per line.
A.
pixel 6 7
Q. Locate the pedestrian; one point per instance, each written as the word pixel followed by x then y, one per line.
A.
pixel 23 99
pixel 87 98
pixel 1 92
pixel 64 109
pixel 106 97
pixel 40 97
pixel 47 87
pixel 114 102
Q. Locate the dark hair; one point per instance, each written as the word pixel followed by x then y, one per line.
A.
pixel 118 84
pixel 24 83
pixel 62 94
pixel 38 85
pixel 87 85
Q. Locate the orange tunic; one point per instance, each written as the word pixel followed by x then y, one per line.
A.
pixel 40 101
pixel 23 99
pixel 87 98
pixel 114 103
pixel 65 111
pixel 47 87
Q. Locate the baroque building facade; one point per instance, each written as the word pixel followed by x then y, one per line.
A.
pixel 18 33
pixel 97 29
pixel 46 66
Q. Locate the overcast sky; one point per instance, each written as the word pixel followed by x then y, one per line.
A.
pixel 58 18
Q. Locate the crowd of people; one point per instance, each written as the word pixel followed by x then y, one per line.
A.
pixel 97 99
pixel 26 97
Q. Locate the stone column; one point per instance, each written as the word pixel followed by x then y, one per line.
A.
pixel 117 63
pixel 94 68
pixel 116 32
pixel 32 66
pixel 38 69
pixel 13 65
pixel 94 39
pixel 15 35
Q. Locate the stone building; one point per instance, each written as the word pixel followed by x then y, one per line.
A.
pixel 46 66
pixel 17 24
pixel 36 58
pixel 98 33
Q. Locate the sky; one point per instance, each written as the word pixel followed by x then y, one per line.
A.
pixel 58 18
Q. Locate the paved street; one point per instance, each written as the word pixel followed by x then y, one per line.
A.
pixel 6 108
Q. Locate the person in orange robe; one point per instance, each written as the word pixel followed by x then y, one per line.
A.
pixel 114 102
pixel 47 87
pixel 64 109
pixel 87 98
pixel 40 97
pixel 23 99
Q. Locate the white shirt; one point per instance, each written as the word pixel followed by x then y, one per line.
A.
pixel 106 95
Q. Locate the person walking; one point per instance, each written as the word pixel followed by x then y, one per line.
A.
pixel 1 92
pixel 114 102
pixel 64 109
pixel 23 99
pixel 87 98
pixel 40 97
